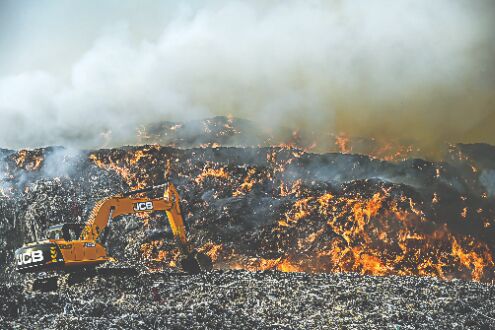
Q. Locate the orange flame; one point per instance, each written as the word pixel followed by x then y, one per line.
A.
pixel 209 172
pixel 342 142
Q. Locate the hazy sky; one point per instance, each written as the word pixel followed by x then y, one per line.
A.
pixel 59 32
pixel 410 69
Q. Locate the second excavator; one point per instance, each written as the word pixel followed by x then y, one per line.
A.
pixel 80 247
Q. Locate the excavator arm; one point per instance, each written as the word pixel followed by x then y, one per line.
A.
pixel 112 207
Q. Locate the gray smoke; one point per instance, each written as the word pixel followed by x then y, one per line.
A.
pixel 87 75
pixel 487 179
pixel 62 162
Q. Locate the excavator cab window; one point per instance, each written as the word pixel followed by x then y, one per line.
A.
pixel 67 232
pixel 54 233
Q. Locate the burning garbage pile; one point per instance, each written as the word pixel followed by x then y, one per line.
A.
pixel 273 208
pixel 260 209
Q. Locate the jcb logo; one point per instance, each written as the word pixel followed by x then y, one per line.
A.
pixel 30 257
pixel 143 206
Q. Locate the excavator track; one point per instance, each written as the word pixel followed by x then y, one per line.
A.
pixel 191 264
pixel 52 281
pixel 41 282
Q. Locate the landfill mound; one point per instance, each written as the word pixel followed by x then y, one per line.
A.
pixel 262 300
pixel 273 208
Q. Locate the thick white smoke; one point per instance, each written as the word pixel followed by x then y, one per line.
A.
pixel 320 64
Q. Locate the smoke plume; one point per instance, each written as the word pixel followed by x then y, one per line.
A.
pixel 83 74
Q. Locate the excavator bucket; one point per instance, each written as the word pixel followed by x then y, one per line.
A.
pixel 195 262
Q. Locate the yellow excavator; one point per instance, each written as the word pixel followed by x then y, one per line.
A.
pixel 76 248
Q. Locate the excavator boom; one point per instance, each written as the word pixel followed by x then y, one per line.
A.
pixel 113 207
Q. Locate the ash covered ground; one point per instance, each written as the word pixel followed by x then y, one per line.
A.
pixel 299 239
pixel 244 300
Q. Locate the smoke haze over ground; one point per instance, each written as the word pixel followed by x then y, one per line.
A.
pixel 77 73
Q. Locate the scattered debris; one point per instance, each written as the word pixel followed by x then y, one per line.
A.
pixel 264 300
